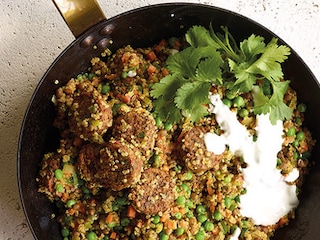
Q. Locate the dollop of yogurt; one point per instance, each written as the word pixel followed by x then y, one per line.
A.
pixel 268 196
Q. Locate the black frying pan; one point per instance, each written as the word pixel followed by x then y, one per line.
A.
pixel 140 28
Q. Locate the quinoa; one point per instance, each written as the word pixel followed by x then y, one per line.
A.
pixel 120 173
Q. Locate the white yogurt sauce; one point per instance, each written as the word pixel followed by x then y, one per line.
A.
pixel 268 196
pixel 236 234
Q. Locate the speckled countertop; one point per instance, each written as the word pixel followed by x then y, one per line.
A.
pixel 32 34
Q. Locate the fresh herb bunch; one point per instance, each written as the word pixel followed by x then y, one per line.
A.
pixel 209 57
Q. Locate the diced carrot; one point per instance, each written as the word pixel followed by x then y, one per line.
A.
pixel 50 184
pixel 139 224
pixel 111 76
pixel 64 197
pixel 124 98
pixel 170 224
pixel 182 210
pixel 164 217
pixel 283 221
pixel 151 56
pixel 151 69
pixel 113 235
pixel 131 213
pixel 210 190
pixel 165 168
pixel 212 207
pixel 165 72
pixel 109 218
pixel 219 197
pixel 160 46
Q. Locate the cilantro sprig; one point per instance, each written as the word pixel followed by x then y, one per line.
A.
pixel 184 92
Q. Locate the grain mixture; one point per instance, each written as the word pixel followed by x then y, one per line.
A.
pixel 121 173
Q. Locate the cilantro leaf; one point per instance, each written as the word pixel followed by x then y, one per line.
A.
pixel 275 106
pixel 211 55
pixel 185 90
pixel 186 62
pixel 191 97
pixel 244 79
pixel 164 92
pixel 199 36
pixel 252 47
pixel 209 69
pixel 268 65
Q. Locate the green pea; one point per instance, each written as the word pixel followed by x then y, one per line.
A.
pixel 200 209
pixel 179 231
pixel 172 41
pixel 59 188
pixel 178 215
pixel 91 236
pixel 231 94
pixel 227 102
pixel 291 132
pixel 227 179
pixel 178 168
pixel 217 215
pixel 245 224
pixel 112 225
pixel 300 135
pixel 156 219
pixel 254 138
pixel 243 112
pixel 156 161
pixel 80 77
pixel 302 107
pixel 238 102
pixel 158 121
pixel 181 200
pixel 189 214
pixel 168 126
pixel 188 175
pixel 122 201
pixel 124 74
pixel 58 174
pixel 208 226
pixel 163 236
pixel 189 203
pixel 200 235
pixel 298 120
pixel 202 218
pixel 91 75
pixel 68 219
pixel 296 155
pixel 85 190
pixel 227 202
pixel 105 88
pixel 65 232
pixel 70 203
pixel 125 222
pixel 296 143
pixel 279 161
pixel 185 187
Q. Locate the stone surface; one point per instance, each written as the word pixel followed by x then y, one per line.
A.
pixel 32 34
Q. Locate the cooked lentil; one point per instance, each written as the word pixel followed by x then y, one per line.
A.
pixel 121 173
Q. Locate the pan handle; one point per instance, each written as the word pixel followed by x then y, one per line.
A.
pixel 80 15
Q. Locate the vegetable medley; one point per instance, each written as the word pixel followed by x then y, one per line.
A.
pixel 132 162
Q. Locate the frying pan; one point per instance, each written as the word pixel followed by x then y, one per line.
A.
pixel 140 28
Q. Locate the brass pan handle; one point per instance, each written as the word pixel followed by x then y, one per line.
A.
pixel 80 15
